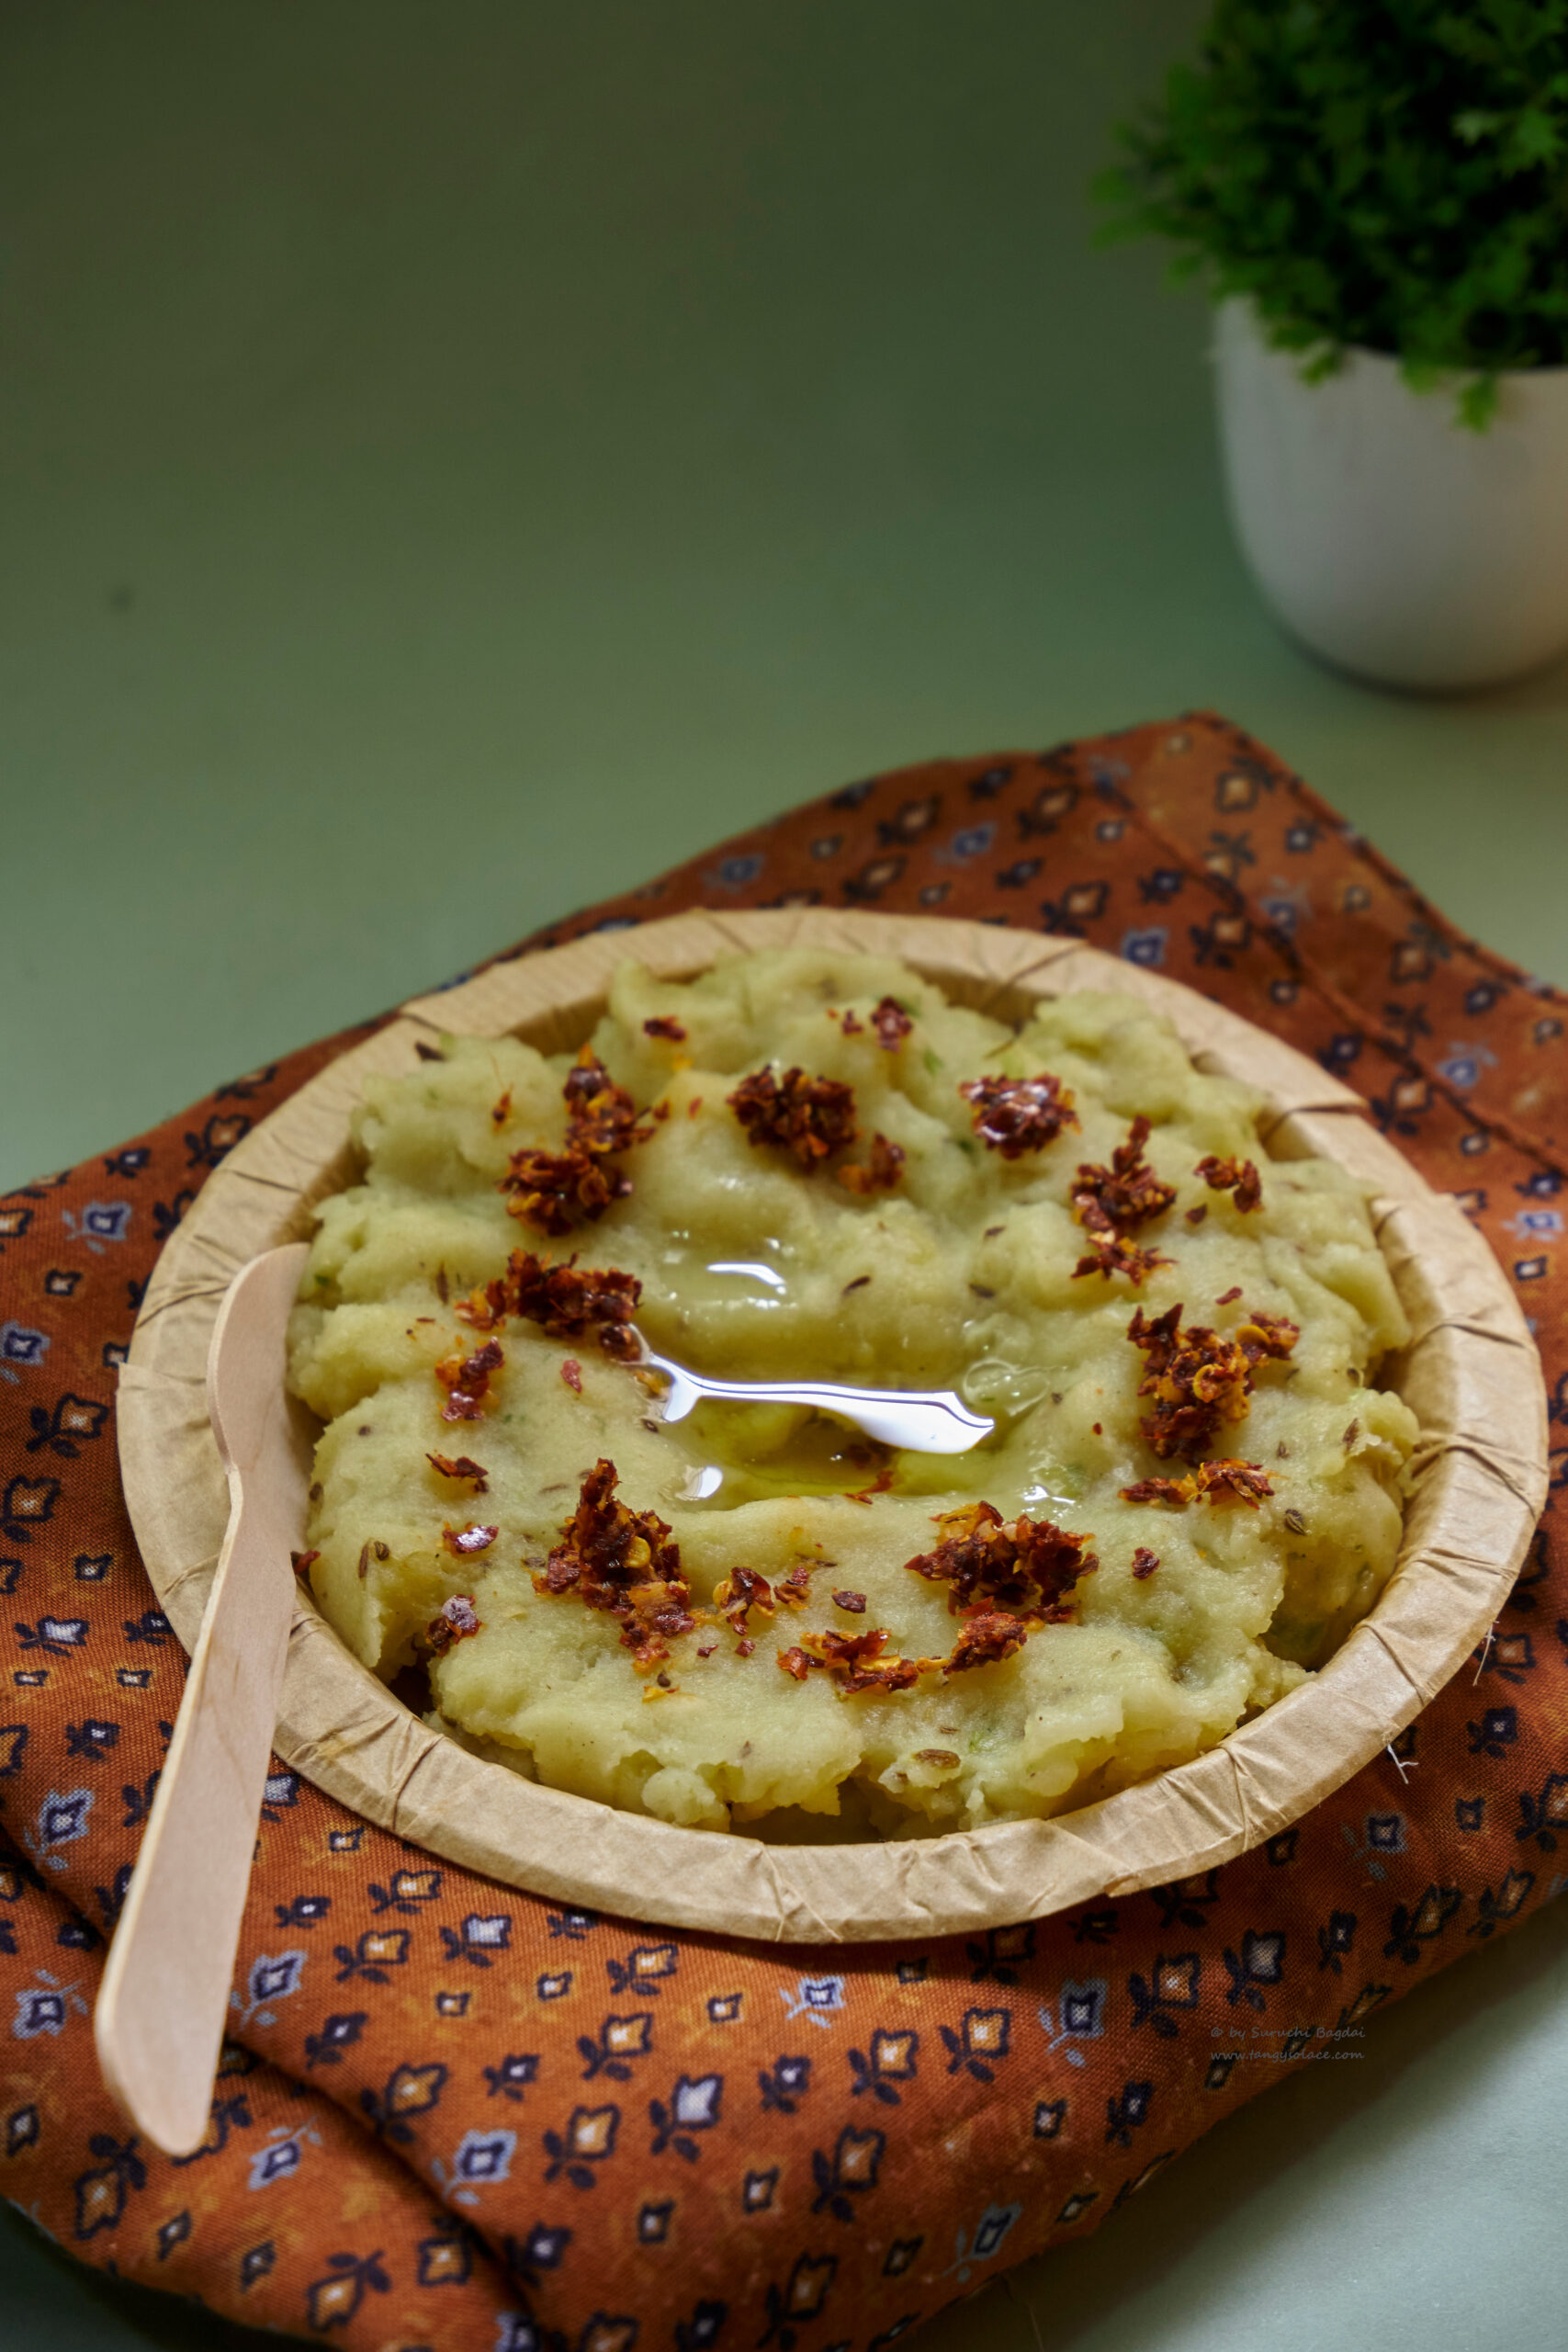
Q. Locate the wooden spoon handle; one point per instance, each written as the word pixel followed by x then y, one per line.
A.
pixel 163 2007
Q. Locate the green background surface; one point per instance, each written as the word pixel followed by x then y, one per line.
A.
pixel 456 461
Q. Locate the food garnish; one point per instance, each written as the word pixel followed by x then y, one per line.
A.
pixel 1176 1492
pixel 466 1380
pixel 743 1589
pixel 462 1467
pixel 1198 1380
pixel 856 1661
pixel 1027 1569
pixel 808 1117
pixel 621 1561
pixel 465 1541
pixel 565 1303
pixel 1112 1253
pixel 882 1174
pixel 556 1190
pixel 454 1621
pixel 1263 1336
pixel 1238 1177
pixel 1120 1198
pixel 600 1115
pixel 1247 1481
pixel 892 1024
pixel 1210 1482
pixel 1112 1202
pixel 984 1638
pixel 1014 1115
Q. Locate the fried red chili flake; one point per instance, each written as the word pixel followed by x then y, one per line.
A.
pixel 466 1541
pixel 665 1025
pixel 1027 1569
pixel 1247 1481
pixel 565 1303
pixel 854 1602
pixel 1199 1381
pixel 883 1172
pixel 620 1560
pixel 1120 1198
pixel 1263 1336
pixel 462 1467
pixel 743 1589
pixel 608 1123
pixel 984 1639
pixel 809 1116
pixel 1112 1253
pixel 303 1561
pixel 455 1621
pixel 572 1373
pixel 892 1024
pixel 600 1115
pixel 466 1381
pixel 1144 1563
pixel 1112 1202
pixel 856 1661
pixel 1210 1482
pixel 1014 1115
pixel 794 1590
pixel 1176 1492
pixel 1238 1177
pixel 501 1109
pixel 556 1190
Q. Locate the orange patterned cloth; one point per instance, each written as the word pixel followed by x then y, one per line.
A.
pixel 454 2116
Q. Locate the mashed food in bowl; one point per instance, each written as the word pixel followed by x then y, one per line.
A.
pixel 804 1167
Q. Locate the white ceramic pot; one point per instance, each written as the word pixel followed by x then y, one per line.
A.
pixel 1384 535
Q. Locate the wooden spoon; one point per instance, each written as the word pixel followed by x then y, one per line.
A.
pixel 164 2000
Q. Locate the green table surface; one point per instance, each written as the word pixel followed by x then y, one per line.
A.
pixel 456 461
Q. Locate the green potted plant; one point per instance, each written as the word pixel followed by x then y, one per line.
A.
pixel 1376 194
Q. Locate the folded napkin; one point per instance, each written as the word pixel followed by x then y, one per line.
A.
pixel 454 2116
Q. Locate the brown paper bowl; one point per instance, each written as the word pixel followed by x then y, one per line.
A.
pixel 1470 1374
